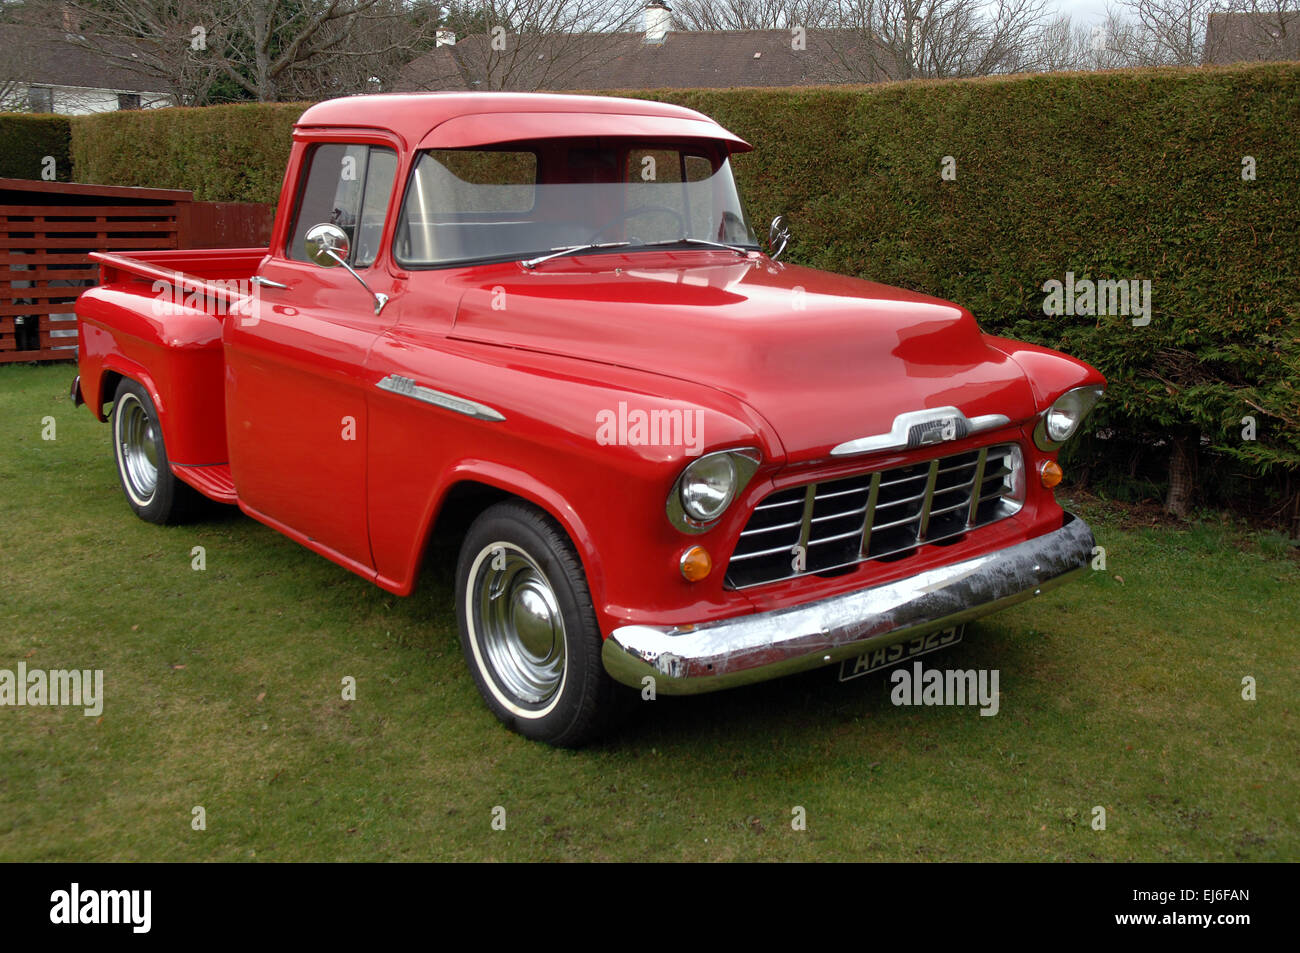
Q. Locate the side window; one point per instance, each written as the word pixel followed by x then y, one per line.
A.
pixel 348 186
pixel 381 170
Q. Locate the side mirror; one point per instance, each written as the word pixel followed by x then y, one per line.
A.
pixel 778 237
pixel 327 245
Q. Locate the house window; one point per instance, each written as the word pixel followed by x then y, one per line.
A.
pixel 128 100
pixel 40 99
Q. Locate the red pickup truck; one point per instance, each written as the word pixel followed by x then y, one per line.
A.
pixel 542 326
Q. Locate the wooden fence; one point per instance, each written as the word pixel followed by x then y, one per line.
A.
pixel 47 229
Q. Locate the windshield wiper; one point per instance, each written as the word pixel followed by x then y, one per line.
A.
pixel 698 241
pixel 571 250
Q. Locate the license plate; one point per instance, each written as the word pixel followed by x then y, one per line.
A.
pixel 876 659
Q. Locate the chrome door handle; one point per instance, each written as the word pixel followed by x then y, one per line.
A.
pixel 267 282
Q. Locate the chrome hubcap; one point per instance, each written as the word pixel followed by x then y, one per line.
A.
pixel 518 624
pixel 137 440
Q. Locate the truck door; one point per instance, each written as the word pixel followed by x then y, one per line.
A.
pixel 296 399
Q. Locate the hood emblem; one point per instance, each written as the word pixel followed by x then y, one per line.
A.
pixel 922 428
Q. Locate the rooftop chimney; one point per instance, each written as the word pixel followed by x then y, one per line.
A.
pixel 658 20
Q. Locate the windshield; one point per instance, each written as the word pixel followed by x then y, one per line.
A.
pixel 528 199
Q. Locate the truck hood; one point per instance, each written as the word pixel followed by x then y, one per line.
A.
pixel 824 358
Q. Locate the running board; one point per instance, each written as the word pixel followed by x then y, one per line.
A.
pixel 212 481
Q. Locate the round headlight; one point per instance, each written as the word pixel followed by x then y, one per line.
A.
pixel 707 486
pixel 1062 419
pixel 1064 416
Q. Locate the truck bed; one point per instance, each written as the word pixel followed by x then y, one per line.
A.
pixel 156 317
pixel 215 270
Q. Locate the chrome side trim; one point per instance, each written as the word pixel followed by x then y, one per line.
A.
pixel 692 659
pixel 267 282
pixel 408 388
pixel 922 428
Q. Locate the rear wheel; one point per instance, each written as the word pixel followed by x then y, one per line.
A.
pixel 152 490
pixel 528 628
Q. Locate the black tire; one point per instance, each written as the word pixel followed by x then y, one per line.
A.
pixel 535 656
pixel 150 487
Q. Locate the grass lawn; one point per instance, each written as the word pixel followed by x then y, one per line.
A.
pixel 223 690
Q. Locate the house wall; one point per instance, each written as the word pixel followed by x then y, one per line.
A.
pixel 82 101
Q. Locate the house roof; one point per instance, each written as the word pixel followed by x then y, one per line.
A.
pixel 46 57
pixel 683 60
pixel 1250 37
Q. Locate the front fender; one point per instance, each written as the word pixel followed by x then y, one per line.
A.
pixel 1050 373
pixel 554 449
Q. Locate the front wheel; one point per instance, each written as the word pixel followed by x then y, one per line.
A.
pixel 152 490
pixel 528 628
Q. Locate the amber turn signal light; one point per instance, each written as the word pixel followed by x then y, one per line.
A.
pixel 696 564
pixel 1050 473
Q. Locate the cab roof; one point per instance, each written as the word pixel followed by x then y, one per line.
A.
pixel 457 120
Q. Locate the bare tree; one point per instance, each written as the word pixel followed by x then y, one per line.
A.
pixel 1112 44
pixel 152 39
pixel 1170 32
pixel 1191 32
pixel 937 38
pixel 754 14
pixel 15 74
pixel 1060 44
pixel 530 45
pixel 1253 30
pixel 287 49
pixel 266 50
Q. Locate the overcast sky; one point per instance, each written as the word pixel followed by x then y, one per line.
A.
pixel 1084 11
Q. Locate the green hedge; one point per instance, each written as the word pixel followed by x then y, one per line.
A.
pixel 26 141
pixel 1124 175
pixel 223 153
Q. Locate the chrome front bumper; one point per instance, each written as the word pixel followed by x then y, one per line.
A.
pixel 689 660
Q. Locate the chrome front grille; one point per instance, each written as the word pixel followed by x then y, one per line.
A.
pixel 884 515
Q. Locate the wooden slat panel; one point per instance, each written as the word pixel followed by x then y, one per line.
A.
pixel 40 275
pixel 34 190
pixel 14 258
pixel 85 227
pixel 35 236
pixel 62 211
pixel 226 224
pixel 18 310
pixel 99 244
pixel 40 293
